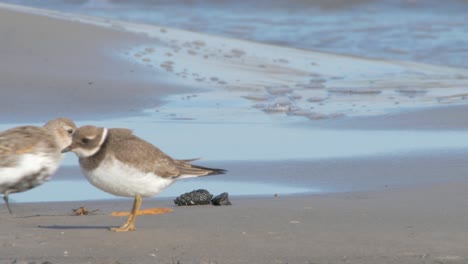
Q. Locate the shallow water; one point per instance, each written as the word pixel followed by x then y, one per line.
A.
pixel 250 140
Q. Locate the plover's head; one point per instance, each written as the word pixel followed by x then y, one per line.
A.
pixel 87 140
pixel 62 129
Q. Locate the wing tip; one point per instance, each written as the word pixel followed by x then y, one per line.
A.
pixel 216 171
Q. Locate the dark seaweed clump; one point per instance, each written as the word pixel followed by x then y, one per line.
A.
pixel 196 197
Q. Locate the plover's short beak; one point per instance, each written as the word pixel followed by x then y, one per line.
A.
pixel 67 149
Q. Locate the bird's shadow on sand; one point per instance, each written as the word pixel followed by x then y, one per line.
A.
pixel 71 227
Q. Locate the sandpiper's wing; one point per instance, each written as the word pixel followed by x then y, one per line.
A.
pixel 21 140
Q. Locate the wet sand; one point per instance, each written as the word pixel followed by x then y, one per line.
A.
pixel 69 69
pixel 417 223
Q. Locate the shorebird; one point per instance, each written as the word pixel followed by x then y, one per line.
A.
pixel 118 162
pixel 29 155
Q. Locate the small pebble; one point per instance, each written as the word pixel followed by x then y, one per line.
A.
pixel 222 199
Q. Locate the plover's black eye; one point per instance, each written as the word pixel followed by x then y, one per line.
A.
pixel 85 140
pixel 70 131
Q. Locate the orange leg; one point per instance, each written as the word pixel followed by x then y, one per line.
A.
pixel 129 225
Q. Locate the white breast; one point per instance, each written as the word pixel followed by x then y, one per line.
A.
pixel 117 178
pixel 41 164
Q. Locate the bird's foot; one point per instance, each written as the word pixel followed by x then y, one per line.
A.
pixel 124 228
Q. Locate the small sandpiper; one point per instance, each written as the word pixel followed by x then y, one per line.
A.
pixel 29 155
pixel 118 162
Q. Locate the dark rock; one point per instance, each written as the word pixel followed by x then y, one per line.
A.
pixel 222 199
pixel 196 197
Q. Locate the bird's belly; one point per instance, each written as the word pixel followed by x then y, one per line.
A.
pixel 122 180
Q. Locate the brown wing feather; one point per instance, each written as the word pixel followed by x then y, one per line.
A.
pixel 129 148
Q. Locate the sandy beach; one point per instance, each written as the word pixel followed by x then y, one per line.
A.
pixel 388 207
pixel 413 225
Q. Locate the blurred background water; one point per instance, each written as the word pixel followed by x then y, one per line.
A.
pixel 429 31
